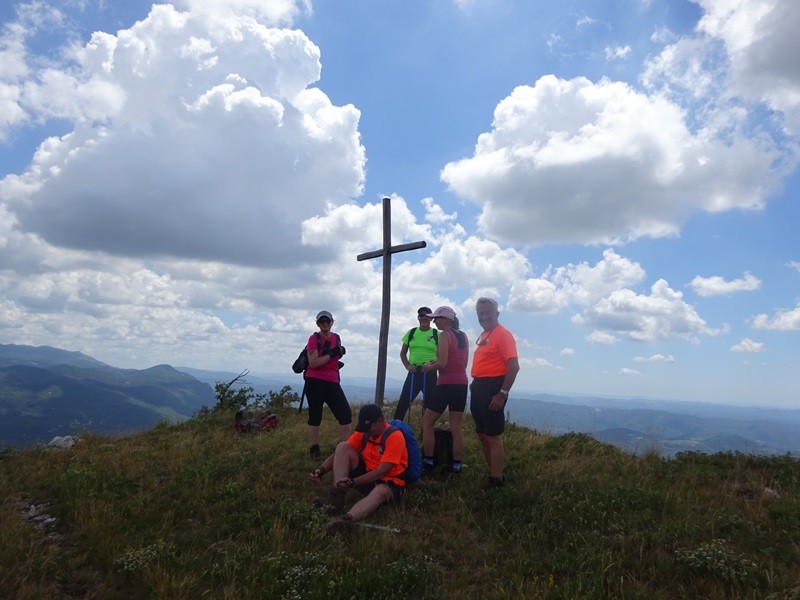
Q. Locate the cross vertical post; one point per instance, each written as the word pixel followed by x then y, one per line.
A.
pixel 386 252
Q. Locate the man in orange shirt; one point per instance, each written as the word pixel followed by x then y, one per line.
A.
pixel 364 463
pixel 494 368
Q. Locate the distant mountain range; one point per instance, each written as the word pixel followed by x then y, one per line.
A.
pixel 666 427
pixel 46 392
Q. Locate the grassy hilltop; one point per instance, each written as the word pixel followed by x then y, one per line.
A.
pixel 197 511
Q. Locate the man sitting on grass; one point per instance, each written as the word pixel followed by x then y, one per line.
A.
pixel 358 463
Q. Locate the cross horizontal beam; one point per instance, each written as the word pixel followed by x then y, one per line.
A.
pixel 392 249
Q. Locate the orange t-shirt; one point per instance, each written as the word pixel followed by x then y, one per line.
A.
pixel 494 351
pixel 395 453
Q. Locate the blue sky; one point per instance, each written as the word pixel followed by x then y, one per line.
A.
pixel 190 183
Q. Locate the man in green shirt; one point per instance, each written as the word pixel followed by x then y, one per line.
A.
pixel 419 346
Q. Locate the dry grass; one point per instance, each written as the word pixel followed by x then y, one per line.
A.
pixel 195 510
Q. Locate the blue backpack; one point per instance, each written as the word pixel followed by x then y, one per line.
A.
pixel 414 469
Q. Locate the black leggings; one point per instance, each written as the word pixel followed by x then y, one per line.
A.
pixel 321 392
pixel 414 384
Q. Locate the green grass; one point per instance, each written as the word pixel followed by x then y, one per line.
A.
pixel 196 511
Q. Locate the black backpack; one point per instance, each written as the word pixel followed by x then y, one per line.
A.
pixel 301 362
pixel 414 330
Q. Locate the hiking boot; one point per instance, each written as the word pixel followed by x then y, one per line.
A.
pixel 451 472
pixel 336 500
pixel 495 482
pixel 427 470
pixel 315 452
pixel 323 505
pixel 343 524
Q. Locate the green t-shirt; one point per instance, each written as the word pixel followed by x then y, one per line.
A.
pixel 422 347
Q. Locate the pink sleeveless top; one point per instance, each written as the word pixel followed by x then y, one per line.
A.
pixel 456 369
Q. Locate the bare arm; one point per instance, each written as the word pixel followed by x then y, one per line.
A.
pixel 499 399
pixel 315 361
pixel 404 358
pixel 442 352
pixel 368 477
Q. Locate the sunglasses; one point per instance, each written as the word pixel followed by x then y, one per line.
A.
pixel 323 320
pixel 482 341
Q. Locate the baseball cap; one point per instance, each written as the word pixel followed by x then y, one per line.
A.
pixel 367 416
pixel 324 313
pixel 423 311
pixel 443 311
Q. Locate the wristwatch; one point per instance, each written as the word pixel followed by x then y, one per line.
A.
pixel 351 482
pixel 504 392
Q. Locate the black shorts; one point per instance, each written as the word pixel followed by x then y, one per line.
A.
pixel 448 395
pixel 361 469
pixel 482 389
pixel 321 392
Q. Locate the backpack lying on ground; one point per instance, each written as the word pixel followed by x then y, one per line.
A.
pixel 264 423
pixel 414 469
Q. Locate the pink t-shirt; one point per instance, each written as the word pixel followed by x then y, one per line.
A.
pixel 456 369
pixel 330 370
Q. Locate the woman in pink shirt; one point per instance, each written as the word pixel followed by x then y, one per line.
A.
pixel 451 387
pixel 322 382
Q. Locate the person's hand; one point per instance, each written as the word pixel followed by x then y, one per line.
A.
pixel 342 482
pixel 497 403
pixel 316 474
pixel 411 368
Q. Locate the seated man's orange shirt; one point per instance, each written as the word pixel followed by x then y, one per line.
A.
pixel 395 453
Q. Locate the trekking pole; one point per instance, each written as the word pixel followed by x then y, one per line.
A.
pixel 424 389
pixel 378 527
pixel 302 395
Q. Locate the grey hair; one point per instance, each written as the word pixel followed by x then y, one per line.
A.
pixel 487 301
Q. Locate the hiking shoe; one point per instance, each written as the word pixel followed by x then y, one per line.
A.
pixel 343 524
pixel 323 505
pixel 315 452
pixel 427 470
pixel 451 472
pixel 336 500
pixel 495 482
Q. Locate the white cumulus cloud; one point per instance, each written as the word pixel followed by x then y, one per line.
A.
pixel 662 358
pixel 190 129
pixel 661 315
pixel 782 320
pixel 549 170
pixel 629 372
pixel 747 345
pixel 716 285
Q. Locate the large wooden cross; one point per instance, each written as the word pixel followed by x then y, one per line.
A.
pixel 386 252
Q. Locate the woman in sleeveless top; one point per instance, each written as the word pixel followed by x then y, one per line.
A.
pixel 451 387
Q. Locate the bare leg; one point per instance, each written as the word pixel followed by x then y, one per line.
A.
pixel 380 494
pixel 485 449
pixel 345 459
pixel 313 435
pixel 344 432
pixel 497 455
